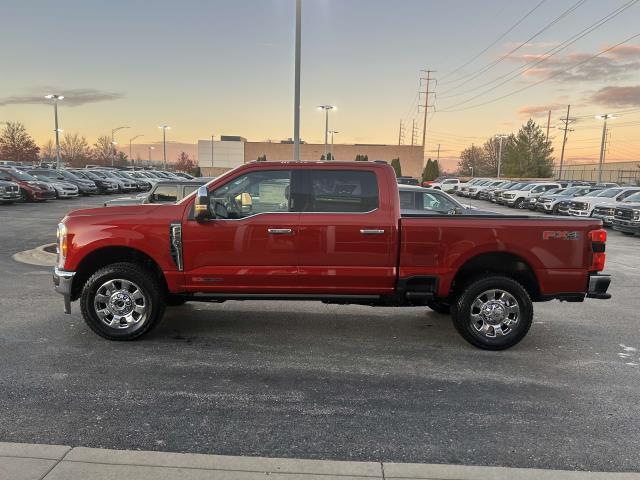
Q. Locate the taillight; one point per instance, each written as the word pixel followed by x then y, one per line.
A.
pixel 598 256
pixel 598 236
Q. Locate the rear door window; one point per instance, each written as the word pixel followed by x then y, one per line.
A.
pixel 336 191
pixel 165 194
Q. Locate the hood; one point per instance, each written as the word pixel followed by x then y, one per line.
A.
pixel 631 205
pixel 4 183
pixel 63 184
pixel 145 209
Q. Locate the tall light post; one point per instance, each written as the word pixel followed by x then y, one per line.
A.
pixel 56 98
pixel 164 144
pixel 114 143
pixel 326 109
pixel 332 132
pixel 212 150
pixel 131 140
pixel 296 82
pixel 150 148
pixel 604 117
pixel 500 137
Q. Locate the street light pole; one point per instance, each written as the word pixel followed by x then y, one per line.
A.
pixel 296 95
pixel 164 144
pixel 131 140
pixel 56 98
pixel 500 137
pixel 113 143
pixel 326 109
pixel 332 132
pixel 603 143
pixel 212 150
pixel 150 148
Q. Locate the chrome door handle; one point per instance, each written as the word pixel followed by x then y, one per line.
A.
pixel 279 231
pixel 371 232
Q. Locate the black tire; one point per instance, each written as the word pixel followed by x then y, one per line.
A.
pixel 174 300
pixel 442 307
pixel 25 196
pixel 554 211
pixel 519 204
pixel 630 234
pixel 461 313
pixel 147 283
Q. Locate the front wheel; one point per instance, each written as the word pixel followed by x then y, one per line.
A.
pixel 493 313
pixel 122 301
pixel 520 204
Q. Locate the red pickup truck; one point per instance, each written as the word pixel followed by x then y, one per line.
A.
pixel 325 231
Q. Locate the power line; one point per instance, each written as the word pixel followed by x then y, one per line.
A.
pixel 602 52
pixel 515 49
pixel 544 57
pixel 471 60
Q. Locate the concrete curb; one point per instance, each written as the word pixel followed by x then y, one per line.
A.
pixel 53 462
pixel 37 256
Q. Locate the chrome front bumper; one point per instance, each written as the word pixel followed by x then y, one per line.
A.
pixel 63 281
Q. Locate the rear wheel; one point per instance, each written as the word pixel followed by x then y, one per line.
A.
pixel 122 301
pixel 493 313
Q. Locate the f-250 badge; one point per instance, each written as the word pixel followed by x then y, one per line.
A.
pixel 560 235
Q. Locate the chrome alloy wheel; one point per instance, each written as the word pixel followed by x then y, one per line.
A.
pixel 494 312
pixel 121 304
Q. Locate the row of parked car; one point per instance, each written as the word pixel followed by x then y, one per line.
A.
pixel 617 206
pixel 39 183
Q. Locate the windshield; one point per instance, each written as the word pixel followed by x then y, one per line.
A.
pixel 529 187
pixel 610 192
pixel 68 175
pixel 572 190
pixel 22 176
pixel 633 198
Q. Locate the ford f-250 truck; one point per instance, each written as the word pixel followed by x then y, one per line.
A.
pixel 325 231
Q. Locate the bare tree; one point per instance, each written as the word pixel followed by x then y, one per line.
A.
pixel 102 150
pixel 74 149
pixel 17 145
pixel 48 151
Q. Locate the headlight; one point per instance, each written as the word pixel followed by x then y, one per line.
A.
pixel 61 244
pixel 2 189
pixel 636 215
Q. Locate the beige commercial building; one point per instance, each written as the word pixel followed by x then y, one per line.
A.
pixel 226 154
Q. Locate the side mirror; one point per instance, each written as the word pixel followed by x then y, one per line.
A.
pixel 202 206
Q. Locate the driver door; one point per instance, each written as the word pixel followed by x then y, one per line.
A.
pixel 253 249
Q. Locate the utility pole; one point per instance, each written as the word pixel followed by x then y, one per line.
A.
pixel 56 98
pixel 438 158
pixel 332 132
pixel 326 109
pixel 567 121
pixel 426 106
pixel 150 148
pixel 401 133
pixel 603 143
pixel 296 95
pixel 113 143
pixel 130 151
pixel 212 150
pixel 548 123
pixel 164 145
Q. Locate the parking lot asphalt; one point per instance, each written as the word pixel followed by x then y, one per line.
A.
pixel 308 380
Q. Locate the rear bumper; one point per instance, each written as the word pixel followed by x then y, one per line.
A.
pixel 598 286
pixel 62 281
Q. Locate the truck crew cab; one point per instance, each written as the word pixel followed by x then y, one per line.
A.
pixel 325 231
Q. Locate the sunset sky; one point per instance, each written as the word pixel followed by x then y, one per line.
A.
pixel 226 67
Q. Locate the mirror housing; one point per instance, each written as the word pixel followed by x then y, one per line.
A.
pixel 202 206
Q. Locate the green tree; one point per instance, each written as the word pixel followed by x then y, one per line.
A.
pixel 395 163
pixel 528 153
pixel 427 171
pixel 436 169
pixel 362 158
pixel 17 145
pixel 261 158
pixel 330 156
pixel 102 151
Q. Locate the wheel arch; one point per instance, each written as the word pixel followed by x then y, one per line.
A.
pixel 107 255
pixel 501 263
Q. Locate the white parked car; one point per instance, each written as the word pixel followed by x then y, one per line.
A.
pixel 463 188
pixel 584 206
pixel 475 190
pixel 445 184
pixel 518 198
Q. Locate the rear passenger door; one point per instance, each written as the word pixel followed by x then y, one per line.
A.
pixel 348 236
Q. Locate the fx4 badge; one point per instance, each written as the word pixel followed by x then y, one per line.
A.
pixel 560 235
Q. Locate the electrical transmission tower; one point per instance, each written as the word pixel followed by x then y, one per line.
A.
pixel 426 79
pixel 414 133
pixel 401 133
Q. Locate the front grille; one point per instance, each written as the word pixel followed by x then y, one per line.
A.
pixel 564 206
pixel 578 206
pixel 624 214
pixel 11 189
pixel 545 200
pixel 607 211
